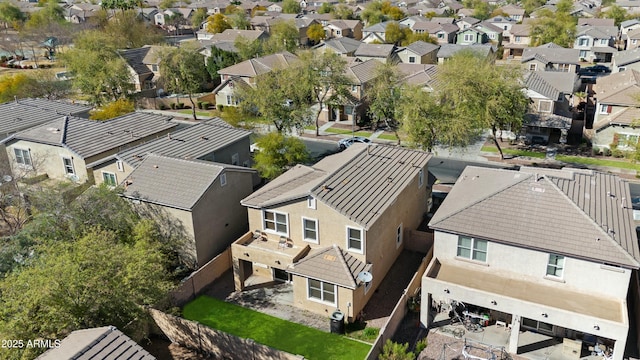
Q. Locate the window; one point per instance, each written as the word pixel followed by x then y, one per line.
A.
pixel 23 157
pixel 399 236
pixel 154 67
pixel 109 178
pixel 545 106
pixel 120 165
pixel 518 39
pixel 505 27
pixel 311 202
pixel 604 41
pixel 310 230
pixel 622 68
pixel 420 178
pixel 628 141
pixel 583 54
pixel 412 59
pixel 354 239
pixel 533 67
pixel 338 32
pixel 634 41
pixel 354 88
pixel 440 35
pixel 564 67
pixel 348 110
pixel 583 42
pixel 555 265
pixel 469 37
pixel 473 249
pixel 68 166
pixel 604 109
pixel 223 179
pixel 319 290
pixel 276 222
pixel 235 159
pixel 229 99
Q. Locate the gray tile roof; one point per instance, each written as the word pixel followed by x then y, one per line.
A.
pixel 25 113
pixel 626 57
pixel 578 213
pixel 105 343
pixel 551 121
pixel 362 72
pixel 360 182
pixel 332 265
pixel 172 182
pixel 140 57
pixel 381 27
pixel 627 116
pixel 421 47
pixel 189 143
pixel 88 138
pixel 551 83
pixel 261 65
pixel 375 50
pixel 520 30
pixel 551 55
pixel 343 45
pixel 448 50
pixel 618 88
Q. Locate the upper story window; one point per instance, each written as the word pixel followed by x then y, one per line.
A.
pixel 518 39
pixel 412 59
pixel 605 109
pixel 68 166
pixel 583 42
pixel 109 178
pixel 440 35
pixel 154 67
pixel 23 157
pixel 235 159
pixel 311 202
pixel 276 222
pixel 472 248
pixel 555 266
pixel 469 37
pixel 533 67
pixel 310 230
pixel 545 106
pixel 355 239
pixel 604 41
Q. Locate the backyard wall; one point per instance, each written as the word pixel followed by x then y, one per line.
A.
pixel 400 310
pixel 219 344
pixel 418 241
pixel 200 279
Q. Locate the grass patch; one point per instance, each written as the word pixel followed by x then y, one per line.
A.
pixel 358 330
pixel 621 164
pixel 276 333
pixel 515 152
pixel 387 137
pixel 338 131
pixel 198 113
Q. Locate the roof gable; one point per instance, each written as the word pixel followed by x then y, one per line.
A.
pixel 332 265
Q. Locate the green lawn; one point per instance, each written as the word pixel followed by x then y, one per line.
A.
pixel 533 154
pixel 387 137
pixel 348 132
pixel 621 164
pixel 274 332
pixel 198 113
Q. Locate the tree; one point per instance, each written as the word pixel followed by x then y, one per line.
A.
pixel 494 100
pixel 396 34
pixel 372 13
pixel 326 8
pixel 119 4
pixel 277 153
pixel 11 15
pixel 316 33
pixel 13 86
pixel 112 110
pixel 217 23
pixel 248 49
pixel 44 84
pixel 220 59
pixel 291 7
pixel 384 96
pixel 413 37
pixel 49 13
pixel 97 280
pixel 239 20
pixel 558 27
pixel 127 31
pixel 284 37
pixel 198 18
pixel 342 11
pixel 531 5
pixel 616 13
pixel 183 71
pixel 166 4
pixel 396 351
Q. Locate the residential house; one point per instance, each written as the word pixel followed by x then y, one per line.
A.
pixel 184 13
pixel 519 39
pixel 626 60
pixel 503 23
pixel 344 28
pixel 471 35
pixel 631 6
pixel 632 39
pixel 627 26
pixel 213 140
pixel 550 115
pixel 245 73
pixel 147 15
pixel 422 75
pixel 144 66
pixel 377 32
pixel 63 147
pixel 466 22
pixel 616 110
pixel 275 7
pixel 343 46
pixel 230 35
pixel 493 32
pixel 261 22
pixel 81 13
pixel 411 21
pixel 596 43
pixel 540 250
pixel 551 57
pixel 514 12
pixel 447 51
pixel 318 227
pixel 198 199
pixel 103 342
pixel 302 24
pixel 382 52
pixel 419 52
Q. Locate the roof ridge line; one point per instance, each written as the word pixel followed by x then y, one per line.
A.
pixel 336 170
pixel 589 218
pixel 343 261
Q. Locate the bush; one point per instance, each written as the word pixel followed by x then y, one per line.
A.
pixel 420 345
pixel 205 105
pixel 200 105
pixel 163 107
pixel 220 107
pixel 617 153
pixel 173 106
pixel 606 151
pixel 180 105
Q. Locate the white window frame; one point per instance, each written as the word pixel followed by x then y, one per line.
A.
pixel 634 41
pixel 399 235
pixel 533 67
pixel 473 249
pixel 223 179
pixel 548 102
pixel 440 35
pixel 354 88
pixel 322 292
pixel 68 169
pixel 275 230
pixel 420 178
pixel 412 59
pixel 120 165
pixel 604 41
pixel 469 38
pixel 555 266
pixel 311 202
pixel 235 159
pixel 624 140
pixel 115 178
pixel 304 232
pixel 604 108
pixel 25 155
pixel 348 238
pixel 517 39
pixel 583 41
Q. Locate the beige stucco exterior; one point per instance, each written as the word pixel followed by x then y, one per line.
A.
pixel 380 246
pixel 46 159
pixel 429 58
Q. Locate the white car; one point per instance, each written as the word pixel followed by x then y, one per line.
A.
pixel 345 143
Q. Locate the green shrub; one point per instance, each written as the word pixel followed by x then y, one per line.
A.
pixel 606 151
pixel 200 105
pixel 370 332
pixel 180 105
pixel 163 107
pixel 617 153
pixel 420 345
pixel 173 106
pixel 220 107
pixel 205 105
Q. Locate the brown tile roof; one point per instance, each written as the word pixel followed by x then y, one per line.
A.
pixel 625 117
pixel 362 72
pixel 261 65
pixel 620 88
pixel 332 265
pixel 578 213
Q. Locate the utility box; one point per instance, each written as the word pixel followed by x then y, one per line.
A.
pixel 337 322
pixel 571 348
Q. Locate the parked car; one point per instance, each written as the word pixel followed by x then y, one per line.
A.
pixel 595 70
pixel 345 143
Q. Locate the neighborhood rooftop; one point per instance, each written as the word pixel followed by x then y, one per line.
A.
pixel 25 113
pixel 331 264
pixel 579 213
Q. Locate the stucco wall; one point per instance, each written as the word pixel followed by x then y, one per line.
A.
pixel 46 159
pixel 343 299
pixel 218 217
pixel 531 265
pixel 112 167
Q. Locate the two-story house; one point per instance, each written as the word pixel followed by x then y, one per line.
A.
pixel 343 46
pixel 384 53
pixel 596 42
pixel 616 111
pixel 626 27
pixel 632 39
pixel 540 250
pixel 550 57
pixel 626 60
pixel 144 65
pixel 519 39
pixel 344 28
pixel 447 51
pixel 514 12
pixel 377 32
pixel 419 52
pixel 471 35
pixel 318 227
